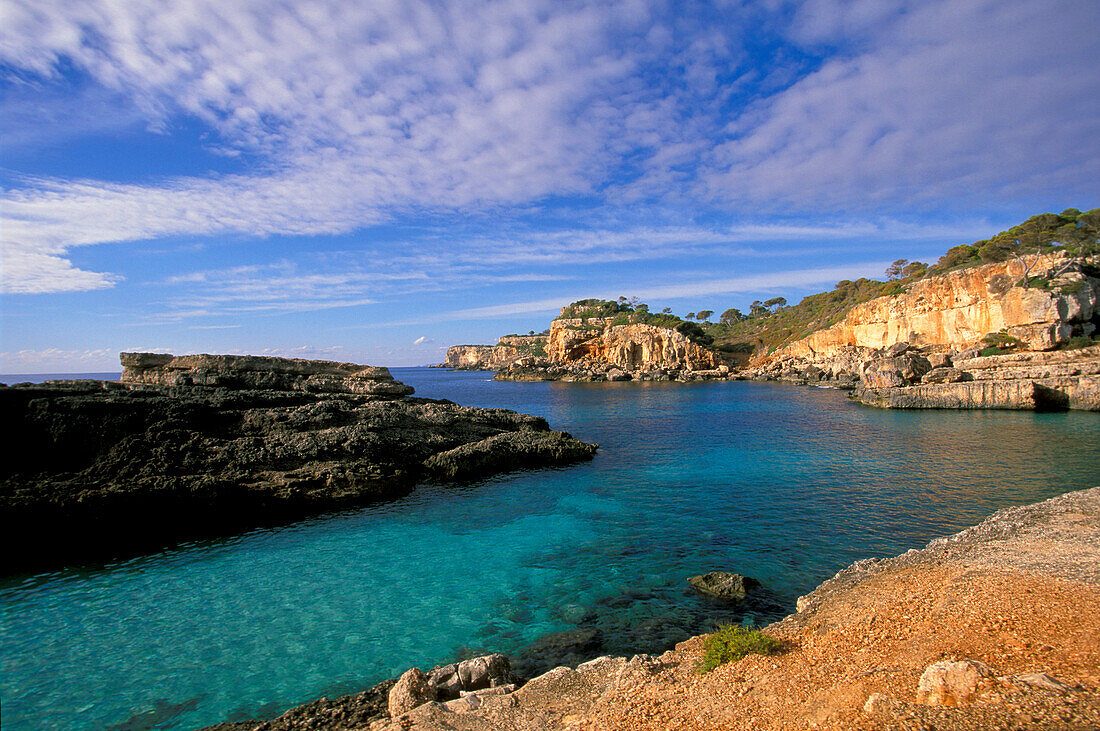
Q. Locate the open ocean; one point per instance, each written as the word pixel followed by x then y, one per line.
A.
pixel 782 483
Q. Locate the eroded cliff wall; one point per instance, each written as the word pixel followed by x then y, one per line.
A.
pixel 494 357
pixel 630 347
pixel 958 309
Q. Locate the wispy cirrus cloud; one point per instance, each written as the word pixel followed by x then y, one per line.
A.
pixel 362 113
pixel 974 100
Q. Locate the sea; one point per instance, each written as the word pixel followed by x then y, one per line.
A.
pixel 783 483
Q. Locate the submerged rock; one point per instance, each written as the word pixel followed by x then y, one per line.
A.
pixel 724 585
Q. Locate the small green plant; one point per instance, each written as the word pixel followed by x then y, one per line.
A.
pixel 1077 342
pixel 731 643
pixel 998 343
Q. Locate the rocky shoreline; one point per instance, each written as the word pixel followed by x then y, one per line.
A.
pixel 993 627
pixel 200 446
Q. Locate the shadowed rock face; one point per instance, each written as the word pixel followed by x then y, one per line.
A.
pixel 98 469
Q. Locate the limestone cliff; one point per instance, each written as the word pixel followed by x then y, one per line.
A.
pixel 632 346
pixel 494 357
pixel 957 309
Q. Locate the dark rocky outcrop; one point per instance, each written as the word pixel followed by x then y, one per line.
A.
pixel 724 585
pixel 210 445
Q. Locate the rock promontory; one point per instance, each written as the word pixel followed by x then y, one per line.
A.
pixel 194 446
pixel 598 340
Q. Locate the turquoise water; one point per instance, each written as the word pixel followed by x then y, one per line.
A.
pixel 782 483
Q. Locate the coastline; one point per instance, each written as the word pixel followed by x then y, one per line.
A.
pixel 203 446
pixel 1015 598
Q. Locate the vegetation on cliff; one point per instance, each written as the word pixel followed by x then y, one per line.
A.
pixel 629 311
pixel 771 324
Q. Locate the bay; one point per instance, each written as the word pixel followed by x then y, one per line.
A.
pixel 782 483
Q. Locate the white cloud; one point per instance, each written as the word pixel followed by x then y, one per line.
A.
pixel 423 340
pixel 799 279
pixel 58 360
pixel 966 100
pixel 359 113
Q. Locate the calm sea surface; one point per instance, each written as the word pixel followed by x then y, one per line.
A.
pixel 782 483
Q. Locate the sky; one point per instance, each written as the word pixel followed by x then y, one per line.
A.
pixel 374 181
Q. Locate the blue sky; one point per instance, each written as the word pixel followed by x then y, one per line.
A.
pixel 375 181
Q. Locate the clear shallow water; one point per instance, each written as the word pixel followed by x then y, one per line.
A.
pixel 782 483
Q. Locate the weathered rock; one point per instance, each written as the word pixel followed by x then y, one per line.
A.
pixel 1056 380
pixel 508 349
pixel 412 689
pixel 939 360
pixel 945 375
pixel 956 310
pixel 617 375
pixel 451 681
pixel 630 347
pixel 99 469
pixel 948 683
pixel 897 349
pixel 508 451
pixel 724 585
pixel 895 371
pixel 250 372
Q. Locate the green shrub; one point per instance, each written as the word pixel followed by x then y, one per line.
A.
pixel 1001 342
pixel 1079 341
pixel 731 643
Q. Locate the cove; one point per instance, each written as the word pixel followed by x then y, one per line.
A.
pixel 782 483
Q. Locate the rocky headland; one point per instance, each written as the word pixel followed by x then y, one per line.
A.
pixel 494 357
pixel 995 627
pixel 595 340
pixel 971 339
pixel 203 445
pixel 1019 332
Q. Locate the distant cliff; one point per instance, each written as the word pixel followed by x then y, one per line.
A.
pixel 975 338
pixel 596 340
pixel 495 357
pixel 631 346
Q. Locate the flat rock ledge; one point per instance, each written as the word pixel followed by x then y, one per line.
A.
pixel 196 446
pixel 995 627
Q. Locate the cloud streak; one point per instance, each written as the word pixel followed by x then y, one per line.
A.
pixel 358 114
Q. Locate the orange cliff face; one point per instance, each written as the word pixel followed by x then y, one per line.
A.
pixel 630 347
pixel 958 309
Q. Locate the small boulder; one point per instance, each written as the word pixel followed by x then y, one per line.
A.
pixel 723 585
pixel 897 349
pixel 945 375
pixel 617 375
pixel 952 683
pixel 940 360
pixel 412 689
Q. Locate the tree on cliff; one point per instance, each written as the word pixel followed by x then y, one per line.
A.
pixel 731 316
pixel 689 316
pixel 775 303
pixel 704 315
pixel 894 270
